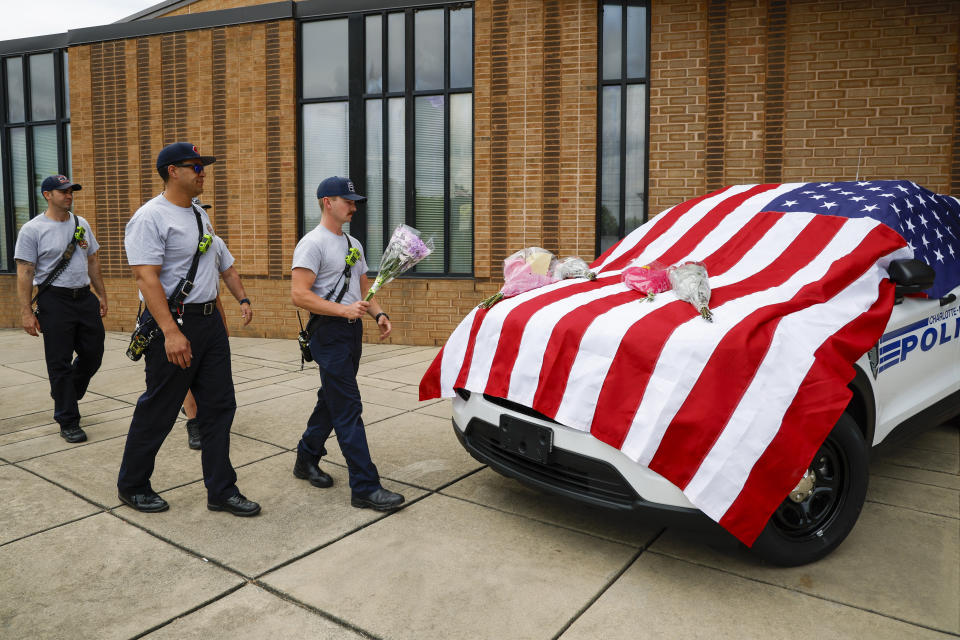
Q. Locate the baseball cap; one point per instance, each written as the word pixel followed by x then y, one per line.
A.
pixel 179 151
pixel 337 186
pixel 58 183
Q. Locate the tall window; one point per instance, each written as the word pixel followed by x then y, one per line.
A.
pixel 387 98
pixel 622 181
pixel 34 138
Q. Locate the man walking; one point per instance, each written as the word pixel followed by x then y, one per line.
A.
pixel 170 246
pixel 57 252
pixel 329 280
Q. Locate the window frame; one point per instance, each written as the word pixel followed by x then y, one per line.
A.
pixel 357 99
pixel 623 82
pixel 61 121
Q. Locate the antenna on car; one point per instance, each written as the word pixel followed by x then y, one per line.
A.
pixel 859 155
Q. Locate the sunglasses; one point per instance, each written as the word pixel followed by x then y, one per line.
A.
pixel 197 168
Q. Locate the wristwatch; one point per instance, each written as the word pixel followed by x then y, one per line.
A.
pixel 247 300
pixel 376 318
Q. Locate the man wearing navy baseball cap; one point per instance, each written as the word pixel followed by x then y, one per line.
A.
pixel 329 280
pixel 178 260
pixel 57 251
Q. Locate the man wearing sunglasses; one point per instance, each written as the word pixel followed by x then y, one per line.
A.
pixel 192 352
pixel 68 316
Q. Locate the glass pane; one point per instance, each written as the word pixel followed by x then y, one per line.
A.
pixel 69 154
pixel 429 182
pixel 374 190
pixel 326 152
pixel 461 183
pixel 3 221
pixel 374 64
pixel 66 85
pixel 43 98
pixel 428 55
pixel 325 58
pixel 44 159
pixel 397 157
pixel 610 169
pixel 461 48
pixel 21 188
pixel 612 38
pixel 635 162
pixel 14 90
pixel 636 42
pixel 396 52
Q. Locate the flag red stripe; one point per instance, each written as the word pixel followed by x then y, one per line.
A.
pixel 430 382
pixel 820 400
pixel 505 357
pixel 662 223
pixel 628 377
pixel 471 344
pixel 733 365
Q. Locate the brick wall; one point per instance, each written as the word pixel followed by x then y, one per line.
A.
pixel 747 91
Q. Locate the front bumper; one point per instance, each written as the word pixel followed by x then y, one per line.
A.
pixel 578 466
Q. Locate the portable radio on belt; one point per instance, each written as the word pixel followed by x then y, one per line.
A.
pixel 205 243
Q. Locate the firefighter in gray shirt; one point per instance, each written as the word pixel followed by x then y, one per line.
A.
pixel 67 315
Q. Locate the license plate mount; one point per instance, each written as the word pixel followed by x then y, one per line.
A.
pixel 526 439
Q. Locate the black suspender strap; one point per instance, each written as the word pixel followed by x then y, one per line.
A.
pixel 347 272
pixel 64 261
pixel 186 285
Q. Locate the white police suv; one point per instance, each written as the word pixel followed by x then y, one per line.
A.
pixel 909 380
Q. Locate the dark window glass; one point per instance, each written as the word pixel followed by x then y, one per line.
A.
pixel 429 184
pixel 636 42
pixel 396 50
pixel 43 97
pixel 20 180
pixel 69 154
pixel 66 84
pixel 44 159
pixel 325 59
pixel 612 40
pixel 374 192
pixel 461 48
pixel 374 54
pixel 621 204
pixel 461 183
pixel 396 156
pixel 326 152
pixel 3 226
pixel 610 169
pixel 428 52
pixel 15 112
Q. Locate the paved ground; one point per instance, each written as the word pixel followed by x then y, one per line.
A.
pixel 473 555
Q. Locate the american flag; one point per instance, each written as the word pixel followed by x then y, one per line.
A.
pixel 929 222
pixel 732 412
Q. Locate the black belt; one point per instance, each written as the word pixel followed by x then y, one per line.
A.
pixel 79 292
pixel 324 319
pixel 199 308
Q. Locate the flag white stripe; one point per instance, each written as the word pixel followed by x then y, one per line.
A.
pixel 453 354
pixel 757 418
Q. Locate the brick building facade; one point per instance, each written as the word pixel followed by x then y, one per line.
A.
pixel 741 91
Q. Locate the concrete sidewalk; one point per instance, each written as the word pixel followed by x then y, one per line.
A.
pixel 472 555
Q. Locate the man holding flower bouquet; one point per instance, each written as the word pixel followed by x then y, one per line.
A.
pixel 329 280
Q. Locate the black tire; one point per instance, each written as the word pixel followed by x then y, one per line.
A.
pixel 800 533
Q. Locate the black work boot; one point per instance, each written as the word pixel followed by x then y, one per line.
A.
pixel 306 469
pixel 193 433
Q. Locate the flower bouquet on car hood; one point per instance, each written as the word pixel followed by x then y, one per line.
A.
pixel 405 249
pixel 535 267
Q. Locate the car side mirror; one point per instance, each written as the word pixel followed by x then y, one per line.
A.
pixel 910 276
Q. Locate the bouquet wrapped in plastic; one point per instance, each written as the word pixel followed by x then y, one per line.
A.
pixel 690 283
pixel 522 271
pixel 404 250
pixel 573 267
pixel 649 279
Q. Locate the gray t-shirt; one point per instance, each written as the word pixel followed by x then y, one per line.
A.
pixel 323 252
pixel 161 233
pixel 42 241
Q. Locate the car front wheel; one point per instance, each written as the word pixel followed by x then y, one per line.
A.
pixel 818 515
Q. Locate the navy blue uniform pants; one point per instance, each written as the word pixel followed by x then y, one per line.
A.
pixel 210 378
pixel 70 324
pixel 336 345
